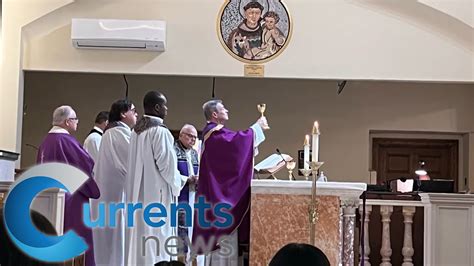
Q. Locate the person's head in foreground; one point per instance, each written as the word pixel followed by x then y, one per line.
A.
pixel 10 255
pixel 170 263
pixel 299 254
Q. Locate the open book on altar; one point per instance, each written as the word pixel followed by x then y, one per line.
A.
pixel 272 163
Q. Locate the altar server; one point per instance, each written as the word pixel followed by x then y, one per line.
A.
pixel 110 173
pixel 152 177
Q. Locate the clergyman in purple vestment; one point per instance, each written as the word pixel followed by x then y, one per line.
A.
pixel 225 172
pixel 188 164
pixel 60 146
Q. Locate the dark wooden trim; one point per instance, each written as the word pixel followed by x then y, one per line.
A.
pixel 415 143
pixel 451 144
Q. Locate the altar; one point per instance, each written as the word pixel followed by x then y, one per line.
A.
pixel 280 215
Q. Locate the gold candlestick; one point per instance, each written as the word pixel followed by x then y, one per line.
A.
pixel 313 205
pixel 306 173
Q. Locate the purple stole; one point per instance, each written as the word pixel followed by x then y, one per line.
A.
pixel 225 172
pixel 183 168
pixel 184 194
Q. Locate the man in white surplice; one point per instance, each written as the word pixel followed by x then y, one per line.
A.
pixel 152 177
pixel 92 142
pixel 110 171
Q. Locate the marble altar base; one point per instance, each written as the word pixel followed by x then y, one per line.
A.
pixel 278 219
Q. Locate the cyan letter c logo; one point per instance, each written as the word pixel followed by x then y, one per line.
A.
pixel 17 212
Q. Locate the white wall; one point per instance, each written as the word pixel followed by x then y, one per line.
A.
pixel 1 38
pixel 1 34
pixel 292 106
pixel 331 39
pixel 16 14
pixel 464 12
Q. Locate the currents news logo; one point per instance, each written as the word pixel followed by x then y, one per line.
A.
pixel 50 248
pixel 17 212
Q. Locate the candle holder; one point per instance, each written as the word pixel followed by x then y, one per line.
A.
pixel 314 166
pixel 313 208
pixel 290 166
pixel 306 173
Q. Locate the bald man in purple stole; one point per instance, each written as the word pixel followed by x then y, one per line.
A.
pixel 226 169
pixel 60 146
pixel 188 165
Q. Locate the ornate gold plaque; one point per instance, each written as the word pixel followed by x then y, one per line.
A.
pixel 254 70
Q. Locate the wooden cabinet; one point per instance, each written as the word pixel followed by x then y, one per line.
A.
pixel 396 158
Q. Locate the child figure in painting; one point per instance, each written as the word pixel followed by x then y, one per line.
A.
pixel 272 37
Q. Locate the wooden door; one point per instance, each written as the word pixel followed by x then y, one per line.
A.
pixel 396 158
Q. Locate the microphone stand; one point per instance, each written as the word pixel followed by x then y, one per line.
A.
pixel 279 153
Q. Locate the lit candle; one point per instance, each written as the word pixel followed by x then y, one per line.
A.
pixel 306 152
pixel 315 148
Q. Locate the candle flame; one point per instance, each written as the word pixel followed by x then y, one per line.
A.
pixel 306 140
pixel 316 127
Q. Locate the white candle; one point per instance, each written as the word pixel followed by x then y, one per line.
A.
pixel 306 152
pixel 315 148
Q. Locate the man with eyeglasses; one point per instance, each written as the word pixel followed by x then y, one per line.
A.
pixel 225 173
pixel 60 146
pixel 110 174
pixel 188 164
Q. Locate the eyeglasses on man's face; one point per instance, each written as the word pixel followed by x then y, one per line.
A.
pixel 190 135
pixel 73 119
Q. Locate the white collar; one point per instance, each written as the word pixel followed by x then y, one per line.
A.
pixel 98 129
pixel 154 117
pixel 57 129
pixel 123 124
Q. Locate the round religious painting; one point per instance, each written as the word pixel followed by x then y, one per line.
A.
pixel 254 31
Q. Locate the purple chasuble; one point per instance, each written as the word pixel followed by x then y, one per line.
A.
pixel 225 173
pixel 64 148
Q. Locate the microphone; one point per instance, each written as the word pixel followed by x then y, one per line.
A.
pixel 279 153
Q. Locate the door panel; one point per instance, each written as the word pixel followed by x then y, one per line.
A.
pixel 396 158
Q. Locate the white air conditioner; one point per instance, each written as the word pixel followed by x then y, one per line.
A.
pixel 147 35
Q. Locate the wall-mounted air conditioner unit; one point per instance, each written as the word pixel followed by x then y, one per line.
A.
pixel 147 35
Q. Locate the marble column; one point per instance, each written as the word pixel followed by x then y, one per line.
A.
pixel 386 250
pixel 341 236
pixel 349 207
pixel 365 257
pixel 408 250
